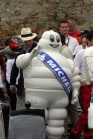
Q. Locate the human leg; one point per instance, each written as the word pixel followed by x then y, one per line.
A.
pixel 13 97
pixel 82 123
pixel 21 101
pixel 72 114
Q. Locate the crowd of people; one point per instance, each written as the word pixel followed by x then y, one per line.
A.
pixel 74 43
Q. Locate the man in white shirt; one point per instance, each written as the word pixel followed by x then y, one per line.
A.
pixel 70 41
pixel 28 38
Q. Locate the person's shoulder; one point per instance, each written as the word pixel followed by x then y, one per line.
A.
pixel 89 51
pixel 80 52
pixel 10 60
pixel 78 47
pixel 77 32
pixel 34 44
pixel 22 52
pixel 72 38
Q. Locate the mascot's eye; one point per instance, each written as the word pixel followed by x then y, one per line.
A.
pixel 52 39
pixel 58 38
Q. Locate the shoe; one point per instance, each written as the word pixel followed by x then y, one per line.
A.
pixel 64 137
pixel 72 136
pixel 89 138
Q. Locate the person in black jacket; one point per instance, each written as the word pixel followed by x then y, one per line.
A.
pixel 28 37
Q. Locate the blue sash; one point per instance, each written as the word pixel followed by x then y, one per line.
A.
pixel 57 70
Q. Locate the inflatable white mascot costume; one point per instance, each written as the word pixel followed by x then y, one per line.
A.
pixel 48 79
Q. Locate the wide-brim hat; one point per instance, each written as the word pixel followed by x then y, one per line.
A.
pixel 26 34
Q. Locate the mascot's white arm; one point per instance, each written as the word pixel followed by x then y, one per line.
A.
pixel 24 60
pixel 75 82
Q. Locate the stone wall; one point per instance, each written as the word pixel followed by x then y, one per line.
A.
pixel 42 15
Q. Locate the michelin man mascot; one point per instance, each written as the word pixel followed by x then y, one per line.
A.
pixel 49 78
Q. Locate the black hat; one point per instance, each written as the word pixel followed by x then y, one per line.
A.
pixel 83 32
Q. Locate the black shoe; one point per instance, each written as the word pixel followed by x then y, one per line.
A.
pixel 72 136
pixel 89 138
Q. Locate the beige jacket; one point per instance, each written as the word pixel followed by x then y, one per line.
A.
pixel 66 52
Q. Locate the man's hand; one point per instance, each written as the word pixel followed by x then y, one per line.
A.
pixel 13 89
pixel 5 94
pixel 6 97
pixel 75 94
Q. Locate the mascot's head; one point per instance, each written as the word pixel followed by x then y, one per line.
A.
pixel 50 40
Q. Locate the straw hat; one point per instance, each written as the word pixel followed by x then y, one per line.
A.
pixel 26 34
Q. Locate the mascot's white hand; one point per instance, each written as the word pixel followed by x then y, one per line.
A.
pixel 75 94
pixel 35 51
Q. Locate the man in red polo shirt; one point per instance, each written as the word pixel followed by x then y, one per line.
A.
pixel 72 31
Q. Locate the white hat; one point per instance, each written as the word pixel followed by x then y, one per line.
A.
pixel 26 34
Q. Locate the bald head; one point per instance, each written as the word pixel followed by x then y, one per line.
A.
pixel 71 23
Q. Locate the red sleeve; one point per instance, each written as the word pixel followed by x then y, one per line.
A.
pixel 2 63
